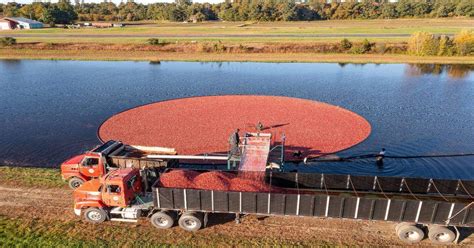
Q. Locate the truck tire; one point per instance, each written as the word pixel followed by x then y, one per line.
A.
pixel 95 215
pixel 410 233
pixel 191 221
pixel 163 220
pixel 400 225
pixel 441 235
pixel 75 182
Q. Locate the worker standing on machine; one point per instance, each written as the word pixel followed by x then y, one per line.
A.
pixel 234 141
pixel 379 158
pixel 259 127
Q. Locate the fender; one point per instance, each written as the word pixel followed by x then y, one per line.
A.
pixel 69 175
pixel 78 206
pixel 88 204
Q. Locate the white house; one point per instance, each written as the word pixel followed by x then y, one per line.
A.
pixel 4 25
pixel 19 22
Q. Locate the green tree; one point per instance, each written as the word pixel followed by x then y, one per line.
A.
pixel 369 9
pixel 183 2
pixel 343 11
pixel 389 11
pixel 11 9
pixel 421 9
pixel 131 11
pixel 238 10
pixel 465 8
pixel 7 41
pixel 178 14
pixel 65 13
pixel 405 8
pixel 346 44
pixel 27 11
pixel 306 14
pixel 423 44
pixel 465 42
pixel 444 8
pixel 49 15
pixel 366 46
pixel 446 46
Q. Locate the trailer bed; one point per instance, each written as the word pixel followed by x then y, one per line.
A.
pixel 330 206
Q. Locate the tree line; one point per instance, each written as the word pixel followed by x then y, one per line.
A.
pixel 64 12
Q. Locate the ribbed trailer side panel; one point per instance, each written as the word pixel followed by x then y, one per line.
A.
pixel 371 183
pixel 398 210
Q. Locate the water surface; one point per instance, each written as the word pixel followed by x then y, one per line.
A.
pixel 51 110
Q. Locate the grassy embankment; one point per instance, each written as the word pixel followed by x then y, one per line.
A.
pixel 129 43
pixel 218 57
pixel 31 177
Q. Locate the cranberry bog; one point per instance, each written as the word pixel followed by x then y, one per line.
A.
pixel 202 125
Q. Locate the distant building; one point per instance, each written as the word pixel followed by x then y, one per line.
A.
pixel 19 23
pixel 5 25
pixel 102 24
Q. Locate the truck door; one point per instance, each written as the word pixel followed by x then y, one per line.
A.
pixel 112 195
pixel 90 167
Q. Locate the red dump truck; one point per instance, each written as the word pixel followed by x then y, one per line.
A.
pixel 121 195
pixel 110 156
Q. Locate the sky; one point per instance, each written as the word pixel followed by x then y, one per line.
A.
pixel 117 1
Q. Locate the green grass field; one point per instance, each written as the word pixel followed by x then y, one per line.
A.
pixel 233 34
pixel 398 26
pixel 31 177
pixel 226 40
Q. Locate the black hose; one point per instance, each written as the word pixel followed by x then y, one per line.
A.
pixel 434 156
pixel 366 156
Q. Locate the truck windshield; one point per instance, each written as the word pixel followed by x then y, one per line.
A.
pixel 113 189
pixel 90 162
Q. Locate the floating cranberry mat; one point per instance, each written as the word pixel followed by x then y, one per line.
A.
pixel 202 125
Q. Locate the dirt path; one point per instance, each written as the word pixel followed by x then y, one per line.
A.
pixel 56 205
pixel 18 35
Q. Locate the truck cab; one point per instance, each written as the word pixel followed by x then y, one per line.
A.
pixel 89 165
pixel 114 193
pixel 120 196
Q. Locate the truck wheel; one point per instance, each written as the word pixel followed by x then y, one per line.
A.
pixel 410 233
pixel 95 215
pixel 400 225
pixel 191 221
pixel 162 220
pixel 75 182
pixel 441 235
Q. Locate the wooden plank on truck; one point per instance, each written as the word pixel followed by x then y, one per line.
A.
pixel 155 149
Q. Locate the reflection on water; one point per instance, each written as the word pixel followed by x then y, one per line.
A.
pixel 51 110
pixel 453 71
pixel 414 70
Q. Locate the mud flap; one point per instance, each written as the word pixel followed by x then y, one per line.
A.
pixel 206 218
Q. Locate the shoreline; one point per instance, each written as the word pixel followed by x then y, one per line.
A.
pixel 153 56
